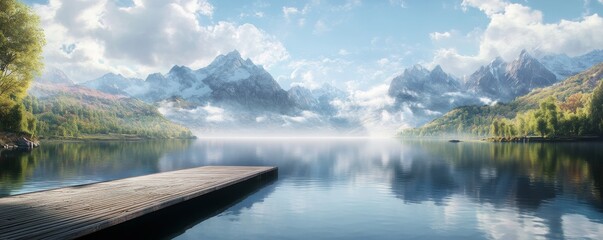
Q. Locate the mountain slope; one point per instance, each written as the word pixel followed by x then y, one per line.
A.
pixel 64 110
pixel 476 120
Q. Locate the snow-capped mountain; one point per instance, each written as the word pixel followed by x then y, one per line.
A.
pixel 430 91
pixel 319 100
pixel 302 97
pixel 180 81
pixel 54 76
pixel 501 81
pixel 228 80
pixel 417 81
pixel 233 94
pixel 116 84
pixel 564 66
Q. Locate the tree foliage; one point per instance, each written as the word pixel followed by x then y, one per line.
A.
pixel 596 109
pixel 21 42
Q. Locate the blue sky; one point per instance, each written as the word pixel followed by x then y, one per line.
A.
pixel 353 44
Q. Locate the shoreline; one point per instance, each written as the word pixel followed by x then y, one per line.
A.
pixel 534 139
pixel 12 141
pixel 108 137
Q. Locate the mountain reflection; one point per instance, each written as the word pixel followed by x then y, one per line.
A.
pixel 522 175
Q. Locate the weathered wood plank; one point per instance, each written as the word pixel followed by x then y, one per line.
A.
pixel 76 211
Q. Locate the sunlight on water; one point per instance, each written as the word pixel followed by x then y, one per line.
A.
pixel 356 188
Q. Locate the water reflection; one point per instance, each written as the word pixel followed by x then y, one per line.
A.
pixel 464 190
pixel 58 164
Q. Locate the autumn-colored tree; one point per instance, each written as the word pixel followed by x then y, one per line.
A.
pixel 573 103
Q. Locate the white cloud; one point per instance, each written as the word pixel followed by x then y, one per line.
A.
pixel 439 35
pixel 383 61
pixel 514 27
pixel 320 27
pixel 214 114
pixel 343 52
pixel 348 5
pixel 375 98
pixel 313 73
pixel 487 6
pixel 400 3
pixel 149 36
pixel 370 108
pixel 290 11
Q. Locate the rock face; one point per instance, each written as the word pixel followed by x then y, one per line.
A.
pixel 501 81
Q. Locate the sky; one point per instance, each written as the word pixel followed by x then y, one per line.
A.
pixel 356 45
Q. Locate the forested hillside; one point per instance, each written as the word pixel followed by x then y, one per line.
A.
pixel 72 111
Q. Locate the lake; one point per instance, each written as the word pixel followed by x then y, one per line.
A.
pixel 354 188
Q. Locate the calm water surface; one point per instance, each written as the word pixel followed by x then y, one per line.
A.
pixel 356 188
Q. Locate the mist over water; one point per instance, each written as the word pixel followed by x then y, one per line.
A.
pixel 356 188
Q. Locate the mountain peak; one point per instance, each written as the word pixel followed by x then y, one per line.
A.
pixel 112 75
pixel 234 54
pixel 231 60
pixel 418 67
pixel 437 69
pixel 177 68
pixel 497 61
pixel 525 55
pixel 416 70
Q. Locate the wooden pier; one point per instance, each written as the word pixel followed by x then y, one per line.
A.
pixel 72 212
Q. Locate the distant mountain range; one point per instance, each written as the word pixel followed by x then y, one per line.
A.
pixel 432 93
pixel 234 94
pixel 476 120
pixel 563 66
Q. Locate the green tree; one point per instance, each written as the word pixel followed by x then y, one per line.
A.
pixel 494 128
pixel 21 42
pixel 596 109
pixel 15 120
pixel 541 126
